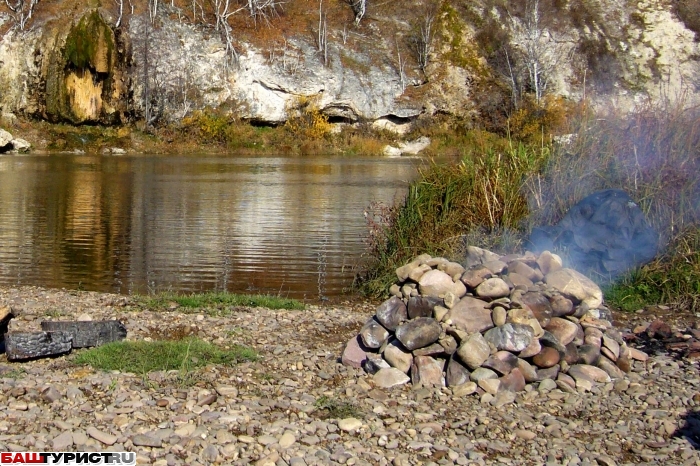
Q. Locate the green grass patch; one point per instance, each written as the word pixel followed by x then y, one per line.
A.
pixel 331 408
pixel 673 278
pixel 142 357
pixel 215 301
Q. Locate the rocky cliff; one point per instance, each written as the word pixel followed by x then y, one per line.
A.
pixel 77 66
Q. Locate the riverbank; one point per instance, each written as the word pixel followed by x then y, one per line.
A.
pixel 214 132
pixel 296 404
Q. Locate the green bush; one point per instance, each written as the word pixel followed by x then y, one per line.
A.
pixel 480 193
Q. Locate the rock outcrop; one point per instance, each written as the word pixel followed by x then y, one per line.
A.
pixel 9 143
pixel 66 71
pixel 494 327
pixel 84 75
pixel 51 71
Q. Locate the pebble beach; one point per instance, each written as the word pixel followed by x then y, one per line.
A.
pixel 298 405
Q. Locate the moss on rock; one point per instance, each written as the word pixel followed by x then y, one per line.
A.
pixel 90 44
pixel 82 74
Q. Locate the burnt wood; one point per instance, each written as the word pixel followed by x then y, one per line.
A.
pixel 29 345
pixel 88 333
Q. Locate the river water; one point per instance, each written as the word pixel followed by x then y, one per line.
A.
pixel 289 226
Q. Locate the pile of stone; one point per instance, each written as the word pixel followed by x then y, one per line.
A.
pixel 491 325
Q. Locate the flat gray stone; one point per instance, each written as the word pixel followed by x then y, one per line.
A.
pixel 510 337
pixel 62 442
pixel 418 333
pixel 100 436
pixel 388 378
pixel 391 313
pixel 470 315
pixel 144 440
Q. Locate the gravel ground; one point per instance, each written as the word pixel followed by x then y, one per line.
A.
pixel 297 405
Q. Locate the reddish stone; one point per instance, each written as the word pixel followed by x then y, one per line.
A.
pixel 502 362
pixel 427 371
pixel 548 357
pixel 513 381
pixel 539 305
pixel 659 329
pixel 354 355
pixel 624 364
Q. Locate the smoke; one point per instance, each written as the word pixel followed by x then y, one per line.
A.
pixel 642 167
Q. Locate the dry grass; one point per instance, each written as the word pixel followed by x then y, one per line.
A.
pixel 500 190
pixel 653 153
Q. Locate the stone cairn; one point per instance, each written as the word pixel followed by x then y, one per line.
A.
pixel 492 327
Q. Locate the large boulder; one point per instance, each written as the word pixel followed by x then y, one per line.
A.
pixel 5 139
pixel 606 234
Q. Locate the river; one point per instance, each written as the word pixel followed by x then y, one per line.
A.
pixel 288 226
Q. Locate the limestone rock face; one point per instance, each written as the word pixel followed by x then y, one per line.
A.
pixel 5 138
pixel 85 75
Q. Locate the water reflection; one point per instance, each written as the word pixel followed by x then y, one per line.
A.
pixel 291 226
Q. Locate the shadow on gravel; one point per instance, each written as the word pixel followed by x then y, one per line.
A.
pixel 690 429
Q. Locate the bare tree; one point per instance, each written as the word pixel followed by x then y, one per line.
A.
pixel 322 34
pixel 263 9
pixel 420 40
pixel 401 67
pixel 152 10
pixel 359 8
pixel 120 4
pixel 22 11
pixel 537 49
